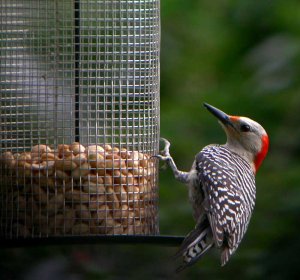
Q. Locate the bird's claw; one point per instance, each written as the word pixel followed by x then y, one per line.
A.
pixel 166 150
pixel 164 154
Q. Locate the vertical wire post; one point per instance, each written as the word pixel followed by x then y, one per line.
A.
pixel 77 65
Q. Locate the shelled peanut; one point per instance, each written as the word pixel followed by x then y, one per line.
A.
pixel 78 190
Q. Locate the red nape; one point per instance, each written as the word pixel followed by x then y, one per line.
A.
pixel 263 152
pixel 234 118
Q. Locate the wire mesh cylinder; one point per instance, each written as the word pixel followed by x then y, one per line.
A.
pixel 79 109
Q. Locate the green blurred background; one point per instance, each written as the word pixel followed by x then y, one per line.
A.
pixel 244 58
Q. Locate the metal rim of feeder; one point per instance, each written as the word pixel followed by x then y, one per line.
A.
pixel 79 119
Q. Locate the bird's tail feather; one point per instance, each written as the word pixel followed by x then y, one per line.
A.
pixel 194 246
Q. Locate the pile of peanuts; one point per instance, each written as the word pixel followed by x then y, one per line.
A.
pixel 77 190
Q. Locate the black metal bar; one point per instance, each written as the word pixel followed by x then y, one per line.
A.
pixel 160 240
pixel 77 65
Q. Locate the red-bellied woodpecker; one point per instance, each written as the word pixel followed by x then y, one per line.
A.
pixel 222 187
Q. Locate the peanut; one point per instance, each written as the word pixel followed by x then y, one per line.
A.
pixel 129 230
pixel 141 213
pixel 77 148
pixel 118 177
pixel 107 147
pixel 132 163
pixel 124 154
pixel 8 160
pixel 81 171
pixel 108 222
pixel 102 213
pixel 65 165
pixel 114 163
pixel 120 213
pixel 112 198
pixel 81 228
pixel 93 149
pixel 115 150
pixel 96 160
pixel 129 179
pixel 107 180
pixel 135 229
pixel 148 193
pixel 35 166
pixel 47 182
pixel 48 169
pixel 62 175
pixel 135 155
pixel 93 188
pixel 101 171
pixel 95 178
pixel 48 156
pixel 55 203
pixel 39 194
pixel 24 158
pixel 129 218
pixel 69 219
pixel 112 156
pixel 80 159
pixel 144 162
pixel 96 202
pixel 116 229
pixel 133 193
pixel 76 196
pixel 64 150
pixel 83 212
pixel 121 193
pixel 68 186
pixel 142 184
pixel 38 150
pixel 139 171
pixel 23 171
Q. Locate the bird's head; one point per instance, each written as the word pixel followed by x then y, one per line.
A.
pixel 245 137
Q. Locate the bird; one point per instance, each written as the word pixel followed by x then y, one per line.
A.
pixel 221 186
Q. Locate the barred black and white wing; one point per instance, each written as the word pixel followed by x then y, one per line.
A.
pixel 228 184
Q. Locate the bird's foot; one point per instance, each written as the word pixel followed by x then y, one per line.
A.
pixel 164 154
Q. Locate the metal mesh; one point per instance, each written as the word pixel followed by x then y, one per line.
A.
pixel 79 109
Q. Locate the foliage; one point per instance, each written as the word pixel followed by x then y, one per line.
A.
pixel 242 57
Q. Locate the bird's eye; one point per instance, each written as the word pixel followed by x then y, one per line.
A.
pixel 245 128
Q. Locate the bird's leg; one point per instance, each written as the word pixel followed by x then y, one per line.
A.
pixel 165 156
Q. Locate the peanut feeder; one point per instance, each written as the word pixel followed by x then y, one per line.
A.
pixel 79 107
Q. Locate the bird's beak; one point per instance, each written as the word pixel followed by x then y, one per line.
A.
pixel 222 117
